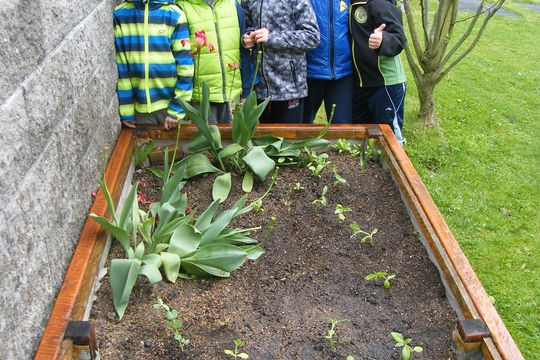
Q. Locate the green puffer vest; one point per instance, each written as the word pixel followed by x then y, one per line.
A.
pixel 220 23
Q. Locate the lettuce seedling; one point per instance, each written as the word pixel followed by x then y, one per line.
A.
pixel 338 179
pixel 406 350
pixel 173 323
pixel 340 211
pixel 238 343
pixel 298 187
pixel 342 145
pixel 357 230
pixel 381 275
pixel 331 331
pixel 322 199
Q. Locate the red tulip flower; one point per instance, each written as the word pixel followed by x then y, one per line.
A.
pixel 200 39
pixel 211 47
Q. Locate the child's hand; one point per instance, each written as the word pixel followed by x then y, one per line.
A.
pixel 170 123
pixel 375 39
pixel 248 40
pixel 260 35
pixel 129 124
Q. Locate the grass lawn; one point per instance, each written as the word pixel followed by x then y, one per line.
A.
pixel 482 165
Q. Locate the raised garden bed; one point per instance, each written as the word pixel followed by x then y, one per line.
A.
pixel 292 287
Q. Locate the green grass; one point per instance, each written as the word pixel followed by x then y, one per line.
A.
pixel 481 165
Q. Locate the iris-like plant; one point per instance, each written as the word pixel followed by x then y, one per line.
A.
pixel 407 351
pixel 367 236
pixel 322 199
pixel 331 332
pixel 178 244
pixel 340 211
pixel 173 323
pixel 381 275
pixel 238 343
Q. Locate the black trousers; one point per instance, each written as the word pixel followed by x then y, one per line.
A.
pixel 287 111
pixel 339 92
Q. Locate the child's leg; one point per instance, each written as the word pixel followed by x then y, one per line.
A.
pixel 312 103
pixel 153 118
pixel 219 114
pixel 288 111
pixel 340 92
pixel 387 105
pixel 361 113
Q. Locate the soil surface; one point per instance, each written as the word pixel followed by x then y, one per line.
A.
pixel 312 270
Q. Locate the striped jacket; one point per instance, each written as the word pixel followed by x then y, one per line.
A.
pixel 154 67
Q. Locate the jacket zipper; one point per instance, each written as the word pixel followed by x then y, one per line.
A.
pixel 146 64
pixel 353 51
pixel 223 83
pixel 262 51
pixel 333 75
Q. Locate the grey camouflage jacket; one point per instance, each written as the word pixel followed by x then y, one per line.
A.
pixel 293 30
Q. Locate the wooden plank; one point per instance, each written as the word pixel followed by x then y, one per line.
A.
pixel 80 275
pixel 501 337
pixel 291 131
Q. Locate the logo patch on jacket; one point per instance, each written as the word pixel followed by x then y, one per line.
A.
pixel 360 15
pixel 342 5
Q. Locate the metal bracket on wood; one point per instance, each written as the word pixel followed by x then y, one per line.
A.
pixel 374 132
pixel 468 337
pixel 83 336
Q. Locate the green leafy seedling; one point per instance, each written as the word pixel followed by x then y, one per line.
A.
pixel 340 211
pixel 350 357
pixel 173 323
pixel 331 332
pixel 140 154
pixel 257 205
pixel 367 236
pixel 226 321
pixel 342 145
pixel 322 199
pixel 338 179
pixel 381 275
pixel 298 187
pixel 238 343
pixel 406 350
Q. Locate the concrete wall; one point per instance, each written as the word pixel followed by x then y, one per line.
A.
pixel 57 113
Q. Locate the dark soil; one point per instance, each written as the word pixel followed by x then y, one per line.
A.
pixel 312 270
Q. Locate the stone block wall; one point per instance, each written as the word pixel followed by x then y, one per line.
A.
pixel 57 112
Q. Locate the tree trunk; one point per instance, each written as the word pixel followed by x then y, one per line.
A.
pixel 427 105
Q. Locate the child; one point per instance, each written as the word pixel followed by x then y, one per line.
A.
pixel 284 31
pixel 222 22
pixel 154 66
pixel 378 39
pixel 329 65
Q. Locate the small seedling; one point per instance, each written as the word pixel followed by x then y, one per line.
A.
pixel 407 351
pixel 140 154
pixel 257 205
pixel 367 236
pixel 381 275
pixel 238 343
pixel 340 211
pixel 339 180
pixel 331 332
pixel 224 322
pixel 350 357
pixel 322 199
pixel 173 323
pixel 316 169
pixel 316 162
pixel 342 145
pixel 298 187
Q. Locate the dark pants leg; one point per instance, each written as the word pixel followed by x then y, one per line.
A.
pixel 380 105
pixel 288 112
pixel 337 92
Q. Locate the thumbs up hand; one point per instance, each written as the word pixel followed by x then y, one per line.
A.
pixel 375 39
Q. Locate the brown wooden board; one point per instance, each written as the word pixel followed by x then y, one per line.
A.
pixel 81 273
pixel 452 263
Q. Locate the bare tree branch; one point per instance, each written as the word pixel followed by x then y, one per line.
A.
pixel 475 15
pixel 412 29
pixel 424 4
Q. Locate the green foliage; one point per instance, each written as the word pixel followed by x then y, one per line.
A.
pixel 331 341
pixel 222 187
pixel 338 179
pixel 298 187
pixel 381 275
pixel 322 199
pixel 340 211
pixel 407 351
pixel 141 153
pixel 367 236
pixel 342 146
pixel 173 323
pixel 238 343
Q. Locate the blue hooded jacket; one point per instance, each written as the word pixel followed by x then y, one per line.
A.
pixel 332 58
